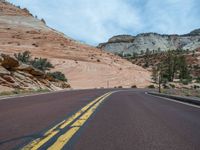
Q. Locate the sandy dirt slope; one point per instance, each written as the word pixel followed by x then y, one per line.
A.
pixel 84 65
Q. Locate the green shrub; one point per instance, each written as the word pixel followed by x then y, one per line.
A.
pixel 172 86
pixel 4 93
pixel 165 86
pixel 120 87
pixel 196 86
pixel 198 80
pixel 16 91
pixel 186 81
pixel 42 64
pixel 151 86
pixel 133 86
pixel 41 90
pixel 57 75
pixel 24 57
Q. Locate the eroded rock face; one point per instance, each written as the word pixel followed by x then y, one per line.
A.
pixel 152 41
pixel 15 75
pixel 31 70
pixel 122 38
pixel 8 78
pixel 4 71
pixel 9 62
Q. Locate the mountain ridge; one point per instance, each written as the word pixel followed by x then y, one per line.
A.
pixel 152 41
pixel 84 66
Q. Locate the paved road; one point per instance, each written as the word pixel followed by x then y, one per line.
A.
pixel 124 120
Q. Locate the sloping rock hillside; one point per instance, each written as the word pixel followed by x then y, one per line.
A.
pixel 83 65
pixel 15 75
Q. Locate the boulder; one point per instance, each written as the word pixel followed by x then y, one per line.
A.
pixel 1 59
pixel 63 85
pixel 45 82
pixel 4 71
pixel 25 68
pixel 8 78
pixel 49 78
pixel 3 81
pixel 19 76
pixel 36 72
pixel 31 70
pixel 9 62
pixel 24 74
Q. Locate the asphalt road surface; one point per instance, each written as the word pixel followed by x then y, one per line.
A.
pixel 105 119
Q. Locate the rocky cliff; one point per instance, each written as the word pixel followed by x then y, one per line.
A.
pixel 16 75
pixel 84 66
pixel 152 41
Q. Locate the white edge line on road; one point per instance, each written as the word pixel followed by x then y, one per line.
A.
pixel 176 101
pixel 30 95
pixel 44 93
pixel 38 94
pixel 51 92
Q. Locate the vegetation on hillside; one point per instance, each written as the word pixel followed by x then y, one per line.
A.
pixel 57 75
pixel 41 64
pixel 178 66
pixel 173 67
pixel 24 57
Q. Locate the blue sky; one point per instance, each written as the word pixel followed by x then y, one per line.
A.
pixel 95 21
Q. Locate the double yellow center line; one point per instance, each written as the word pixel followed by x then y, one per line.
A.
pixel 74 123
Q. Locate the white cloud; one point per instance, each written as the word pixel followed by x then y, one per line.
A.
pixel 94 21
pixel 98 20
pixel 87 20
pixel 171 16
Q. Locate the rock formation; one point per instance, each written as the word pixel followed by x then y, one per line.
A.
pixel 15 75
pixel 84 66
pixel 154 42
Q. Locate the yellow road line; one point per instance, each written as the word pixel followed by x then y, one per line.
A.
pixel 52 129
pixel 64 139
pixel 37 143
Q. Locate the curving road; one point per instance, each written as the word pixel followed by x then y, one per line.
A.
pixel 103 119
